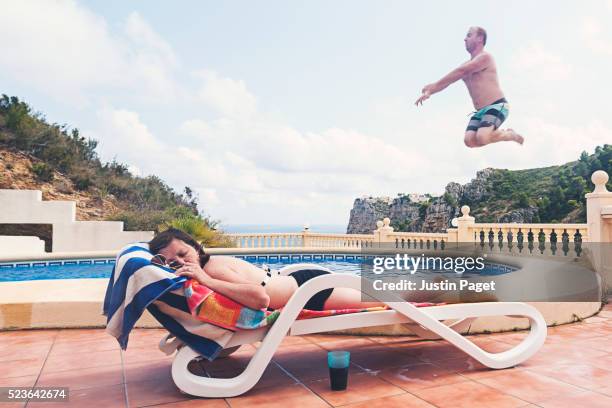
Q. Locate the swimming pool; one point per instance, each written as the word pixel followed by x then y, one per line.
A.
pixel 101 268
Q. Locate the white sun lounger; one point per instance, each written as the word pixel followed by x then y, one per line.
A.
pixel 429 320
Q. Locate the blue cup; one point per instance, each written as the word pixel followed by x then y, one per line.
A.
pixel 338 363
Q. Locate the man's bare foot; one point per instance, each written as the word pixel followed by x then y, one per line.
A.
pixel 515 136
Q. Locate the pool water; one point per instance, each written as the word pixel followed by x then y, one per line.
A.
pixel 87 269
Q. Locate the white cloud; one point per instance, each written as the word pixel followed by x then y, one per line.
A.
pixel 246 165
pixel 58 47
pixel 597 36
pixel 68 52
pixel 122 134
pixel 538 62
pixel 227 96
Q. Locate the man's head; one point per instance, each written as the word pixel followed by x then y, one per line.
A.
pixel 475 37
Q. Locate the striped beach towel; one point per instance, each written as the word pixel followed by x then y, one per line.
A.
pixel 136 284
pixel 217 309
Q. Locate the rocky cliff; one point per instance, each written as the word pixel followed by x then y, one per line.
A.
pixel 436 214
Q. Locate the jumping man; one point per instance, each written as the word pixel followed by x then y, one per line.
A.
pixel 480 77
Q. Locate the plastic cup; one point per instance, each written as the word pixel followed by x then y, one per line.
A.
pixel 338 363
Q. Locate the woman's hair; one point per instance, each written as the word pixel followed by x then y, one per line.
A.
pixel 163 239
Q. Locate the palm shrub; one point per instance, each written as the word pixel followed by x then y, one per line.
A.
pixel 201 230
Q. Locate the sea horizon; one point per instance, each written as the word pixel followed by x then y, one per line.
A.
pixel 255 228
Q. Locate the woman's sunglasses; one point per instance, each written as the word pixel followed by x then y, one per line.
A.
pixel 161 260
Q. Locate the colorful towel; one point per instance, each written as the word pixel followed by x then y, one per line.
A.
pixel 217 309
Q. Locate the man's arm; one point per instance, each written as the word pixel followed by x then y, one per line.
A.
pixel 479 63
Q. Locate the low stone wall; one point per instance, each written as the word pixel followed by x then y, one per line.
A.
pixel 19 245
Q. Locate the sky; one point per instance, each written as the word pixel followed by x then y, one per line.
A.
pixel 284 112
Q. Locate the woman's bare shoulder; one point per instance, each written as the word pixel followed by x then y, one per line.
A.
pixel 220 260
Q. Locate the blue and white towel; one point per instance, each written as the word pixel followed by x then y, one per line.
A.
pixel 136 284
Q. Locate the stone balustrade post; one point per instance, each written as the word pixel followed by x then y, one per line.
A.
pixel 599 223
pixel 306 238
pixel 452 234
pixel 464 223
pixel 383 230
pixel 599 209
pixel 378 232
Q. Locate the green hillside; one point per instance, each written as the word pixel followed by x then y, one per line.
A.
pixel 145 203
pixel 557 191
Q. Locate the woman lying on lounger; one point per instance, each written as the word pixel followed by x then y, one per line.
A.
pixel 243 282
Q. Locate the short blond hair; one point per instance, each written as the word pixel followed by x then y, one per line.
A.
pixel 481 32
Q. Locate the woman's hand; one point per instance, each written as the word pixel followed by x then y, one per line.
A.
pixel 248 294
pixel 193 271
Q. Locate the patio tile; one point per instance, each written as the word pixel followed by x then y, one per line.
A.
pixel 15 336
pixel 78 361
pixel 237 361
pixel 84 346
pixel 586 399
pixel 144 393
pixel 196 403
pixel 419 376
pixel 469 395
pixel 509 337
pixel 560 339
pixel 472 369
pixel 273 375
pixel 605 313
pixel 322 338
pixel 351 343
pixel 581 331
pixel 581 375
pixel 379 357
pixel 603 361
pixel 294 340
pixel 30 339
pixel 540 387
pixel 153 370
pixel 604 329
pixel 278 397
pixel 143 354
pixel 491 345
pixel 14 352
pixel 606 391
pixel 13 404
pixel 146 338
pixel 393 339
pixel 430 351
pixel 594 319
pixel 306 362
pixel 82 378
pixel 21 368
pixel 25 381
pixel 563 353
pixel 360 387
pixel 404 400
pixel 107 397
pixel 68 335
pixel 308 371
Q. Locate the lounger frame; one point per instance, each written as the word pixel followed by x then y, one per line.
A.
pixel 429 322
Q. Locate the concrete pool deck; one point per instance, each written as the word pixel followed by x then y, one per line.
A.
pixel 72 303
pixel 573 368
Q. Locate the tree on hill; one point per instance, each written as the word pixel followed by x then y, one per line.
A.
pixel 149 200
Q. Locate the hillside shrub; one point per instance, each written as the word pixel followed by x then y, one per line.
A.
pixel 42 171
